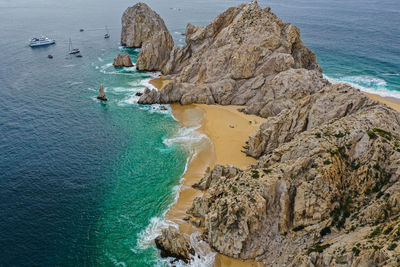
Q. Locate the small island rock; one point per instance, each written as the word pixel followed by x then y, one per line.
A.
pixel 123 60
pixel 144 28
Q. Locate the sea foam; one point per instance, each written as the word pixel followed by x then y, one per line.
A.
pixel 368 84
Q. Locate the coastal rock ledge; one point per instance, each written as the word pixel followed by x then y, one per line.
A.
pixel 325 190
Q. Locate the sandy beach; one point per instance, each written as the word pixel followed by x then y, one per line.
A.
pixel 227 130
pixel 392 102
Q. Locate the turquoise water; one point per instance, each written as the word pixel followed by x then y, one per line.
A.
pixel 86 184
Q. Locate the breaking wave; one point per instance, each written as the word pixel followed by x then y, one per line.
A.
pixel 369 84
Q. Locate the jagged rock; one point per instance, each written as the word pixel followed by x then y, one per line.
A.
pixel 142 27
pixel 173 244
pixel 212 176
pixel 228 61
pixel 301 114
pixel 155 52
pixel 329 176
pixel 325 190
pixel 123 60
pixel 139 24
pixel 148 96
pixel 102 94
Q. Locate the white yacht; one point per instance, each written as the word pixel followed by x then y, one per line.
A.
pixel 41 41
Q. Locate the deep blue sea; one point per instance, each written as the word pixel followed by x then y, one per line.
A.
pixel 84 183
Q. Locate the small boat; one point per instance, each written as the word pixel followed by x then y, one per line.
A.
pixel 81 30
pixel 78 55
pixel 107 35
pixel 183 33
pixel 72 50
pixel 50 56
pixel 102 95
pixel 41 41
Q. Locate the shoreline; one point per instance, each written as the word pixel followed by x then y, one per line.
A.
pixel 227 130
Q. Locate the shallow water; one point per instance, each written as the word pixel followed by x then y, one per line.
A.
pixel 86 183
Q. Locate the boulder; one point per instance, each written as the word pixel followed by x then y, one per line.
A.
pixel 139 24
pixel 123 60
pixel 174 244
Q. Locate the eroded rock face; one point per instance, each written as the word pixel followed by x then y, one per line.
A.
pixel 155 52
pixel 123 60
pixel 326 187
pixel 139 24
pixel 332 185
pixel 173 244
pixel 296 114
pixel 230 60
pixel 144 28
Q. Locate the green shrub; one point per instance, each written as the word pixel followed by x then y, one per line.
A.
pixel 392 246
pixel 319 248
pixel 255 174
pixel 325 231
pixel 356 251
pixel 266 171
pixel 371 134
pixel 339 135
pixel 298 228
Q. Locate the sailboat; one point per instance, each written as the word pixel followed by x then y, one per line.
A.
pixel 72 50
pixel 107 35
pixel 102 95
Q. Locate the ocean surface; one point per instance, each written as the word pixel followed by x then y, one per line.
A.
pixel 84 183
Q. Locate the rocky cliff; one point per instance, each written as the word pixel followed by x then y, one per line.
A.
pixel 326 188
pixel 144 28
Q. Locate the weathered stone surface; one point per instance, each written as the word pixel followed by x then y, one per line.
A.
pixel 123 60
pixel 142 27
pixel 173 244
pixel 325 190
pixel 155 52
pixel 139 24
pixel 302 114
pixel 229 61
pixel 343 176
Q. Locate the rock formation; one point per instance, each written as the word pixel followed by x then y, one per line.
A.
pixel 123 60
pixel 102 95
pixel 143 28
pixel 325 190
pixel 230 60
pixel 173 244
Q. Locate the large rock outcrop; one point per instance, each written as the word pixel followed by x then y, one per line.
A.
pixel 333 185
pixel 230 60
pixel 325 190
pixel 123 60
pixel 144 28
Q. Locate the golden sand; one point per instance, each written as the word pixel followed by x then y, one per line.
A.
pixel 159 83
pixel 394 103
pixel 227 130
